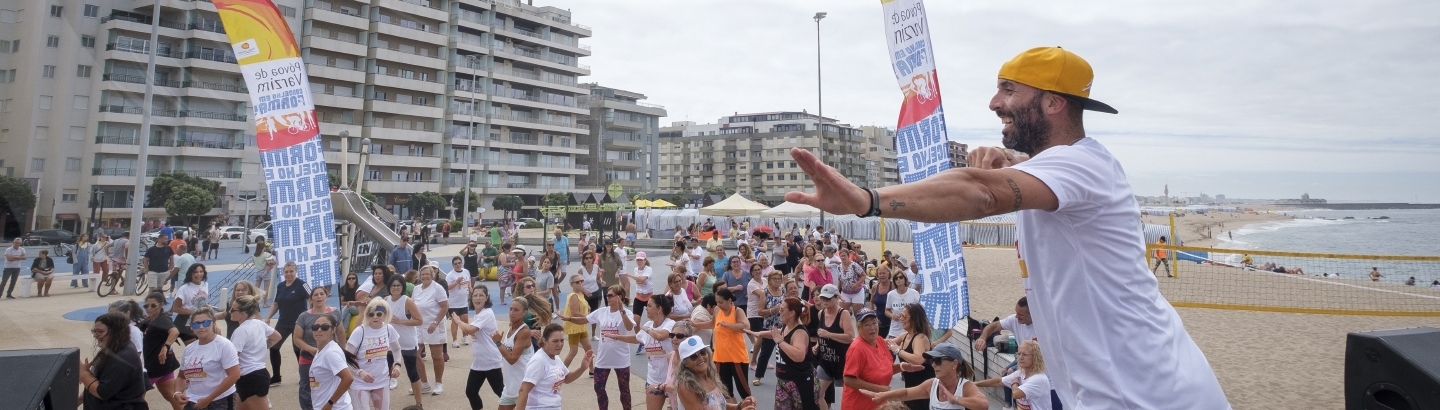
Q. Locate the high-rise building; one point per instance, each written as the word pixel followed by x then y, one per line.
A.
pixel 751 153
pixel 623 135
pixel 439 87
pixel 959 154
pixel 881 168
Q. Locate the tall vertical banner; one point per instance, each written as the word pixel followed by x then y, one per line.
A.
pixel 288 137
pixel 922 151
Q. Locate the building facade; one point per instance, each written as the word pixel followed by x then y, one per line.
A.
pixel 440 87
pixel 881 168
pixel 624 133
pixel 959 154
pixel 750 153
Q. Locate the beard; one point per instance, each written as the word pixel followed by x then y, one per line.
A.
pixel 1031 129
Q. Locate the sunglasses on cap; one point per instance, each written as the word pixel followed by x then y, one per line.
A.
pixel 201 324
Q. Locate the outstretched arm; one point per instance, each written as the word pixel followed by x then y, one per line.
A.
pixel 953 195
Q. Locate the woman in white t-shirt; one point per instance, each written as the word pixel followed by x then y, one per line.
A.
pixel 680 290
pixel 190 296
pixel 900 295
pixel 950 389
pixel 485 360
pixel 1028 382
pixel 210 365
pixel 330 375
pixel 654 337
pixel 405 320
pixel 540 388
pixel 434 304
pixel 610 354
pixel 643 289
pixel 515 350
pixel 252 340
pixel 374 343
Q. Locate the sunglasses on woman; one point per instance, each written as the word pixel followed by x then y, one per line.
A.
pixel 678 336
pixel 377 313
pixel 201 324
pixel 935 361
pixel 320 328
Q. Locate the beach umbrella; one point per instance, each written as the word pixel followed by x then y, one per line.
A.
pixel 644 203
pixel 661 203
pixel 791 210
pixel 735 205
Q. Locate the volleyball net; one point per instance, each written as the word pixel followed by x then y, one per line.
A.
pixel 1297 282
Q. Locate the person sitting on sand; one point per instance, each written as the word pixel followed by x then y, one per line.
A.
pixel 1246 261
pixel 1268 267
pixel 1375 274
pixel 1410 282
pixel 1295 271
pixel 1435 284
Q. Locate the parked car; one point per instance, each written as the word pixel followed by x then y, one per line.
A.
pixel 50 236
pixel 114 233
pixel 260 231
pixel 179 230
pixel 232 232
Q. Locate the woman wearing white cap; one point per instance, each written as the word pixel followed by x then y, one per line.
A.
pixel 950 389
pixel 643 289
pixel 835 332
pixel 698 384
pixel 540 389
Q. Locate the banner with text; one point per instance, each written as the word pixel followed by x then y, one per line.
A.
pixel 922 150
pixel 288 137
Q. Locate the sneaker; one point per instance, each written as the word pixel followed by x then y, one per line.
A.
pixel 394 383
pixel 755 383
pixel 439 388
pixel 424 388
pixel 455 344
pixel 274 382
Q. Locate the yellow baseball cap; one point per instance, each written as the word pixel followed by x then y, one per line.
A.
pixel 1054 69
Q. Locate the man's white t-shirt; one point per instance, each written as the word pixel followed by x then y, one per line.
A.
pixel 896 303
pixel 371 346
pixel 325 379
pixel 1022 332
pixel 249 341
pixel 1036 388
pixel 460 296
pixel 1097 309
pixel 547 374
pixel 610 353
pixel 204 366
pixel 657 352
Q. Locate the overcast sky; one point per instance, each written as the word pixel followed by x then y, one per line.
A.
pixel 1254 99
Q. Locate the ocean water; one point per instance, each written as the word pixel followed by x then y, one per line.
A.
pixel 1405 232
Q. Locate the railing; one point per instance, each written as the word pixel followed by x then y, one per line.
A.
pixel 463 62
pixel 164 22
pixel 137 110
pixel 431 30
pixel 335 35
pixel 122 172
pixel 532 76
pixel 334 8
pixel 639 103
pixel 185 141
pixel 416 78
pixel 211 54
pixel 332 65
pixel 539 121
pixel 137 79
pixel 418 3
pixel 171 142
pixel 211 174
pixel 535 98
pixel 412 102
pixel 402 153
pixel 212 115
pixel 398 128
pixel 167 51
pixel 523 53
pixel 396 48
pixel 234 88
pixel 214 26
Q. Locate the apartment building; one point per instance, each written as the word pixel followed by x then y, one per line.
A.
pixel 439 87
pixel 624 132
pixel 959 154
pixel 881 167
pixel 751 153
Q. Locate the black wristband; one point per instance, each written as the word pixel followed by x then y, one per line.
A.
pixel 874 204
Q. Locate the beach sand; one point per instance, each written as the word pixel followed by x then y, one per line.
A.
pixel 1264 360
pixel 1202 229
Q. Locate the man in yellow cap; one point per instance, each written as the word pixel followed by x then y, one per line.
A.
pixel 1111 340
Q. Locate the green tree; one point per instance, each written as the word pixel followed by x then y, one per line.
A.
pixel 458 200
pixel 556 199
pixel 426 203
pixel 166 182
pixel 16 199
pixel 508 203
pixel 720 190
pixel 334 180
pixel 365 193
pixel 187 201
pixel 678 200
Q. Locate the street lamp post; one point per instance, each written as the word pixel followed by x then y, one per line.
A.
pixel 819 97
pixel 245 221
pixel 469 140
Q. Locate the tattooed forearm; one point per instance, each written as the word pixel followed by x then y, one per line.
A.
pixel 1014 189
pixel 896 205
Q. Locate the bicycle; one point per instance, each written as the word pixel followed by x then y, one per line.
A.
pixel 115 278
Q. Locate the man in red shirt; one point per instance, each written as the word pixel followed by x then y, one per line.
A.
pixel 174 244
pixel 868 364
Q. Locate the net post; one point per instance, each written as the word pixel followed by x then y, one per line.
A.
pixel 1173 255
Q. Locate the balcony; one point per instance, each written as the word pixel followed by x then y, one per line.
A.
pixel 624 105
pixel 425 35
pixel 533 100
pixel 183 141
pixel 211 115
pixel 211 174
pixel 560 126
pixel 623 163
pixel 129 109
pixel 629 125
pixel 333 42
pixel 405 160
pixel 546 18
pixel 401 187
pixel 623 144
pixel 471 20
pixel 326 99
pixel 417 58
pixel 137 79
pixel 420 8
pixel 400 134
pixel 122 172
pixel 336 15
pixel 331 71
pixel 415 109
pixel 529 77
pixel 413 82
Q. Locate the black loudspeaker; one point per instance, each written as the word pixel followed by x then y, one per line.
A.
pixel 40 378
pixel 1393 369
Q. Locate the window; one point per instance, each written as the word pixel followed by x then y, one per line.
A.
pixel 82 71
pixel 87 41
pixel 72 164
pixel 14 46
pixel 52 41
pixel 5 105
pixel 9 16
pixel 80 102
pixel 7 76
pixel 92 10
pixel 55 11
pixel 287 11
pixel 45 102
pixel 37 164
pixel 5 46
pixel 69 195
pixel 48 72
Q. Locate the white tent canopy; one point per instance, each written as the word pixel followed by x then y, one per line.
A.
pixel 735 205
pixel 791 210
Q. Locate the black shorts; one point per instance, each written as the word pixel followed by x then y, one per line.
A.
pixel 205 247
pixel 256 383
pixel 410 357
pixel 460 311
pixel 757 324
pixel 223 403
pixel 638 306
pixel 594 299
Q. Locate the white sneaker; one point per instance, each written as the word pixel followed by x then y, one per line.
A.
pixel 439 388
pixel 424 388
pixel 455 344
pixel 394 383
